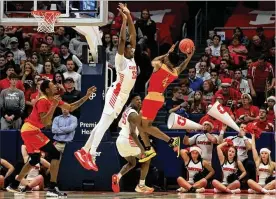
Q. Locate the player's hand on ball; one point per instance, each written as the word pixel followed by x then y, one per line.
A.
pixel 56 100
pixel 191 53
pixel 91 90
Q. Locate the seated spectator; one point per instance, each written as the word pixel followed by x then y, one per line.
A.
pixel 111 51
pixel 219 98
pixel 257 48
pixel 224 71
pixel 4 39
pixel 208 91
pixel 262 121
pixel 242 38
pixel 215 49
pixel 71 73
pixel 247 113
pixel 27 49
pixel 52 49
pixel 4 175
pixel 3 68
pixel 226 56
pixel 215 80
pixel 237 51
pixel 34 181
pixel 66 55
pixel 195 82
pixel 5 83
pixel 205 58
pixel 37 66
pixel 63 129
pixel 59 37
pixel 19 55
pixel 59 81
pixel 203 71
pixel 240 84
pixel 57 65
pixel 176 103
pixel 75 45
pixel 44 54
pixel 48 71
pixel 270 111
pixel 197 105
pixel 71 95
pixel 217 125
pixel 258 75
pixel 106 39
pixel 230 95
pixel 12 103
pixel 187 92
pixel 148 28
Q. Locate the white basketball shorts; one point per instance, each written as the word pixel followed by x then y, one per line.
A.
pixel 125 149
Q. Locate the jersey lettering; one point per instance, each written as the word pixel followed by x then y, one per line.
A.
pixel 165 81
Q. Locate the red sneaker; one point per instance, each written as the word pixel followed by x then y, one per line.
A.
pixel 82 158
pixel 115 184
pixel 91 163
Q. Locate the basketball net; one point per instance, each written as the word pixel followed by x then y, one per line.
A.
pixel 46 20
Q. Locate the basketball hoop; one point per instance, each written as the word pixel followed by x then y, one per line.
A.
pixel 46 20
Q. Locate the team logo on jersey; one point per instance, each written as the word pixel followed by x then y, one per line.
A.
pixel 92 96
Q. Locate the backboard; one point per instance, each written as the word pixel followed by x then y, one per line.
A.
pixel 73 12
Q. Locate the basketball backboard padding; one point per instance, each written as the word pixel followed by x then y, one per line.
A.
pixel 93 37
pixel 80 19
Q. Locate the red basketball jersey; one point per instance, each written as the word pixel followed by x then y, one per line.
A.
pixel 160 79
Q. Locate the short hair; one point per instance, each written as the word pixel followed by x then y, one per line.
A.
pixel 218 36
pixel 214 71
pixel 43 42
pixel 263 108
pixel 9 52
pixel 184 81
pixel 66 44
pixel 173 58
pixel 224 60
pixel 44 85
pixel 10 66
pixel 262 57
pixel 238 69
pixel 70 60
pixel 175 89
pixel 2 56
pixel 192 68
pixel 133 95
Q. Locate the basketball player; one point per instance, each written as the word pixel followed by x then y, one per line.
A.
pixel 129 146
pixel 164 73
pixel 35 141
pixel 117 95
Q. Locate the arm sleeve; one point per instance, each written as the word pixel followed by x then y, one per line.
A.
pixel 78 62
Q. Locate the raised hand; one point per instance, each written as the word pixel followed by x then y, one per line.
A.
pixel 172 48
pixel 124 8
pixel 91 90
pixel 122 14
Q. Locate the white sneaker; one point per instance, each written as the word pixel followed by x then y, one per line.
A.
pixel 216 190
pixel 234 191
pixel 272 191
pixel 251 191
pixel 181 190
pixel 201 190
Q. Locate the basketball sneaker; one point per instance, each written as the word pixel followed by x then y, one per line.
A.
pixel 144 189
pixel 176 145
pixel 13 190
pixel 148 155
pixel 81 156
pixel 201 190
pixel 115 184
pixel 91 163
pixel 55 192
pixel 251 191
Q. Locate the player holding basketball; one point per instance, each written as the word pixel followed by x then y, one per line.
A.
pixel 117 94
pixel 35 141
pixel 164 73
pixel 129 146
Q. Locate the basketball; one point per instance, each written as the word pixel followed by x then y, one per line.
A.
pixel 186 45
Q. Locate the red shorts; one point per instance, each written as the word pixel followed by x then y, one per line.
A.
pixel 33 138
pixel 150 108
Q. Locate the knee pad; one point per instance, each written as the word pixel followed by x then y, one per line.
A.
pixel 34 159
pixel 54 154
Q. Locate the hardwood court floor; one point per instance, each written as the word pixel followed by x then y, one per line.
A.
pixel 133 195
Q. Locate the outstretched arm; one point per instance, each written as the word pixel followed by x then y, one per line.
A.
pixel 132 30
pixel 185 63
pixel 122 41
pixel 157 61
pixel 73 106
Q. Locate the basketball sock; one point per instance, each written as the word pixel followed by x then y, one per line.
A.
pixel 147 148
pixel 142 183
pixel 119 175
pixel 170 141
pixel 103 125
pixel 88 143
